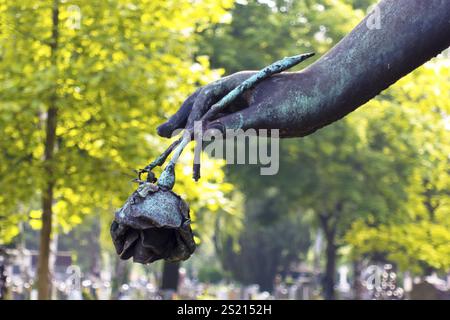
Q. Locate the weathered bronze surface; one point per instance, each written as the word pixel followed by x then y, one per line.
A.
pixel 153 224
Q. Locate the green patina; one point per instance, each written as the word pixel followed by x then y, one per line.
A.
pixel 167 178
pixel 268 71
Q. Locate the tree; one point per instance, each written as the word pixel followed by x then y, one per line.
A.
pixel 262 32
pixel 339 179
pixel 271 243
pixel 83 84
pixel 416 237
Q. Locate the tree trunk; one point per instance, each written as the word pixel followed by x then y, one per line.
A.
pixel 2 275
pixel 328 224
pixel 170 277
pixel 330 270
pixel 120 277
pixel 44 279
pixel 357 285
pixel 95 249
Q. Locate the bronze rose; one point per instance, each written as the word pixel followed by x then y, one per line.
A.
pixel 153 224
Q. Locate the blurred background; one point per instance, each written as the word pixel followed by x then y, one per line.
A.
pixel 359 210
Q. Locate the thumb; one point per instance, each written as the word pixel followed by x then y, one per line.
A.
pixel 179 119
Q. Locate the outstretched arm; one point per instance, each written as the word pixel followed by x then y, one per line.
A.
pixel 357 69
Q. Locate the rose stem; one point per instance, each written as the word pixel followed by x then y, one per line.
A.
pixel 162 158
pixel 167 177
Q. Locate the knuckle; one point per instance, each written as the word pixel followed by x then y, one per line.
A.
pixel 208 91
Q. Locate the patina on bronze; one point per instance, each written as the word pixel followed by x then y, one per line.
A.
pixel 154 222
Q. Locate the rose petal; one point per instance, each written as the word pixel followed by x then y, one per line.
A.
pixel 130 242
pixel 118 235
pixel 188 239
pixel 158 239
pixel 180 251
pixel 143 255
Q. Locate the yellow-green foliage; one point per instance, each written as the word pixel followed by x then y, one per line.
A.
pixel 121 67
pixel 414 116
